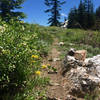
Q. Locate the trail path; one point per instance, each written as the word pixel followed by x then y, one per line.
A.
pixel 56 89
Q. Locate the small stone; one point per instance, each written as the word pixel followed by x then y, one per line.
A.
pixel 84 82
pixel 61 43
pixel 54 84
pixel 56 59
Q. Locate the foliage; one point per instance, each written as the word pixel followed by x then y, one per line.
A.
pixel 98 12
pixel 7 8
pixel 97 23
pixel 83 17
pixel 54 9
pixel 73 19
pixel 18 42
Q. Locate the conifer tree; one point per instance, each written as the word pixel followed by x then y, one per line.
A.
pixel 82 15
pixel 89 12
pixel 98 12
pixel 54 7
pixel 7 8
pixel 73 18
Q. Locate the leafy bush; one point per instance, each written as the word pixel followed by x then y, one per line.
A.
pixel 18 42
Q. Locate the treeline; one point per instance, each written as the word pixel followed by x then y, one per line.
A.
pixel 84 16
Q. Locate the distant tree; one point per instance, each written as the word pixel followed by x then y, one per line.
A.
pixel 97 23
pixel 7 8
pixel 98 12
pixel 89 13
pixel 73 19
pixel 54 7
pixel 70 19
pixel 82 15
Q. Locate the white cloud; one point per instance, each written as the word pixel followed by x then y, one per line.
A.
pixel 63 14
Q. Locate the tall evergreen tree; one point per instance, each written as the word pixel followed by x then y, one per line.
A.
pixel 82 15
pixel 70 19
pixel 73 19
pixel 54 10
pixel 7 8
pixel 89 13
pixel 98 12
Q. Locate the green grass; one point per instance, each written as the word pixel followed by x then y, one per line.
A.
pixel 80 39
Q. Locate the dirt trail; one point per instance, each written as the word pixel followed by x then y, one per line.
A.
pixel 57 81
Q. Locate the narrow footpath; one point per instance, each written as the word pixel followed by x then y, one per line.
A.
pixel 56 90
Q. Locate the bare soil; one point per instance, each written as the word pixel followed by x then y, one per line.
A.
pixel 57 88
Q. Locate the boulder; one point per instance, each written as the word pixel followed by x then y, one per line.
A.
pixel 84 79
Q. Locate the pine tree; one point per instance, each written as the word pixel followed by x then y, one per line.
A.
pixel 82 15
pixel 70 19
pixel 73 19
pixel 54 10
pixel 89 12
pixel 98 12
pixel 7 8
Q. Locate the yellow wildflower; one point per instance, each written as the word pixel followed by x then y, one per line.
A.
pixel 33 61
pixel 44 66
pixel 38 72
pixel 35 56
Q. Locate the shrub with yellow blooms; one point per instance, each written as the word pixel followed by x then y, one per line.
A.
pixel 44 66
pixel 21 47
pixel 38 72
pixel 35 56
pixel 33 61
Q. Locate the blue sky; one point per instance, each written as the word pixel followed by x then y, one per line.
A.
pixel 34 9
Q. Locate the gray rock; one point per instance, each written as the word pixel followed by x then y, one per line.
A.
pixel 83 79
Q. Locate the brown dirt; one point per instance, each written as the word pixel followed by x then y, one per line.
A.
pixel 57 88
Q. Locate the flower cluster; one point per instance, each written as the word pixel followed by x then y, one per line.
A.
pixel 35 62
pixel 37 72
pixel 44 66
pixel 35 56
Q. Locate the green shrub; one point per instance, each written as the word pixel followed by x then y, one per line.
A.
pixel 18 42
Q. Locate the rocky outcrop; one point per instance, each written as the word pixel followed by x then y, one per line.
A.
pixel 83 76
